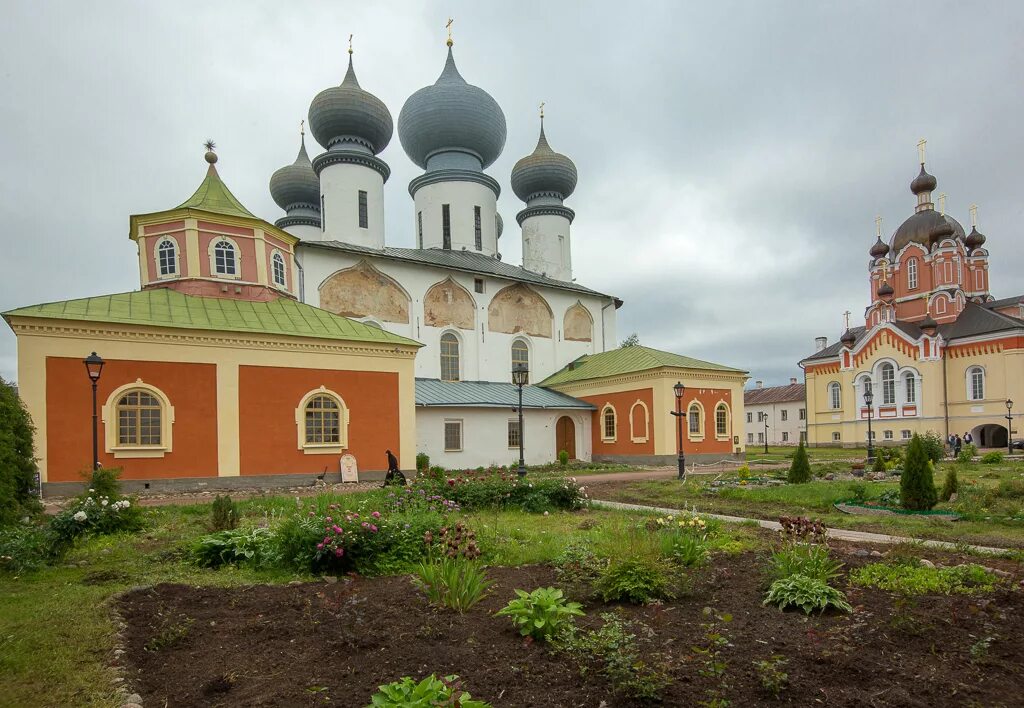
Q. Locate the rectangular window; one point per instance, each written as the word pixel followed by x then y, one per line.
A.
pixel 873 435
pixel 750 438
pixel 452 435
pixel 364 222
pixel 803 414
pixel 911 390
pixel 785 437
pixel 513 433
pixel 478 285
pixel 419 229
pixel 760 437
pixel 478 237
pixel 912 274
pixel 446 227
pixel 750 417
pixel 947 272
pixel 887 435
pixel 785 415
pixel 694 421
pixel 905 434
pixel 835 437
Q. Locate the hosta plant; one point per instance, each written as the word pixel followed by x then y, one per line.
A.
pixel 431 691
pixel 809 594
pixel 541 614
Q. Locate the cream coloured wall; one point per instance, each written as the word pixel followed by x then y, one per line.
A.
pixel 42 338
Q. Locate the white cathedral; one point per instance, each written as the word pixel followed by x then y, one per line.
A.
pixel 477 315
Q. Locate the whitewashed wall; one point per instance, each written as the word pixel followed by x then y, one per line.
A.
pixel 793 426
pixel 460 197
pixel 485 436
pixel 340 185
pixel 546 246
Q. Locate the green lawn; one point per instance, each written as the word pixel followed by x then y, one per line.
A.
pixel 784 453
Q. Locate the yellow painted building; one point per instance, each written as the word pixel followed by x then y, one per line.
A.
pixel 937 351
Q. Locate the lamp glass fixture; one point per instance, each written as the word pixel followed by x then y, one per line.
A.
pixel 678 389
pixel 94 366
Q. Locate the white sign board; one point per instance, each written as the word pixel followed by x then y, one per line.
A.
pixel 349 469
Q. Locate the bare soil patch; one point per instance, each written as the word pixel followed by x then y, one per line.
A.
pixel 318 644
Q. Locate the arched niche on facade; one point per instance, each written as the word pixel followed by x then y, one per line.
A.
pixel 363 291
pixel 448 304
pixel 519 309
pixel 578 325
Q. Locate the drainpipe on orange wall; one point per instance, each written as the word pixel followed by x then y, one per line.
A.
pixel 945 392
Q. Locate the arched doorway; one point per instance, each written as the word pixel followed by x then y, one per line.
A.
pixel 989 435
pixel 565 436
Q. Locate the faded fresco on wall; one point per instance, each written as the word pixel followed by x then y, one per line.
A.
pixel 578 325
pixel 518 309
pixel 448 304
pixel 363 291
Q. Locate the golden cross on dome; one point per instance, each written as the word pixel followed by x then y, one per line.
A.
pixel 350 44
pixel 542 110
pixel 449 26
pixel 942 203
pixel 974 215
pixel 885 270
pixel 302 127
pixel 920 149
pixel 878 227
pixel 846 319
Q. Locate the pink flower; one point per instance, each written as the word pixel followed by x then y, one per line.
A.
pixel 327 539
pixel 337 529
pixel 329 520
pixel 339 552
pixel 319 546
pixel 375 514
pixel 312 513
pixel 373 528
pixel 365 525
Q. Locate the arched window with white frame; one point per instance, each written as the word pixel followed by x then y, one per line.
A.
pixel 321 420
pixel 137 421
pixel 450 359
pixel 888 372
pixel 695 420
pixel 167 257
pixel 608 423
pixel 521 356
pixel 976 383
pixel 721 420
pixel 278 270
pixel 835 396
pixel 224 257
pixel 912 273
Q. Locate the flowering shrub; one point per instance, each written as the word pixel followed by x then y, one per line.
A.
pixel 93 514
pixel 683 538
pixel 499 488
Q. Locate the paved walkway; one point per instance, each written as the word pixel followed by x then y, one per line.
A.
pixel 839 534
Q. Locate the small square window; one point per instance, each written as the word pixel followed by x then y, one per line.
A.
pixel 750 437
pixel 905 434
pixel 887 435
pixel 785 437
pixel 478 285
pixel 835 437
pixel 452 435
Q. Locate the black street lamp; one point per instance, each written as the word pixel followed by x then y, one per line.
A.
pixel 1009 427
pixel 868 398
pixel 679 389
pixel 94 367
pixel 766 433
pixel 520 375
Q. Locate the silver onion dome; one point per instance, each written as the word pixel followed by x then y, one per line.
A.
pixel 451 115
pixel 296 184
pixel 544 171
pixel 347 113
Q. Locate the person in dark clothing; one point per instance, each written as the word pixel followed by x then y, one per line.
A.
pixel 394 475
pixel 957 445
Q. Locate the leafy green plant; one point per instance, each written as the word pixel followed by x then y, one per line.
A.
pixel 690 550
pixel 917 484
pixel 636 580
pixel 859 490
pixel 1010 489
pixel 992 458
pixel 104 482
pixel 711 655
pixel 541 614
pixel 17 459
pixel 950 485
pixel 979 650
pixel 172 631
pixel 223 513
pixel 578 564
pixel 809 594
pixel 431 691
pixel 890 498
pixel 233 546
pixel 25 547
pixel 422 462
pixel 743 473
pixel 934 446
pixel 774 679
pixel 813 561
pixel 879 465
pixel 967 453
pixel 563 458
pixel 453 582
pixel 498 488
pixel 800 469
pixel 911 578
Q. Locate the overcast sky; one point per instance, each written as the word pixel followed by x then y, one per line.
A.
pixel 732 156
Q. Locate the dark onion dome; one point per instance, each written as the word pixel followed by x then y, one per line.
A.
pixel 499 224
pixel 942 230
pixel 544 170
pixel 924 182
pixel 975 239
pixel 451 115
pixel 918 229
pixel 296 184
pixel 928 323
pixel 848 339
pixel 880 249
pixel 885 290
pixel 347 113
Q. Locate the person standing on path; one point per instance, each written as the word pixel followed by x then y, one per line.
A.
pixel 394 476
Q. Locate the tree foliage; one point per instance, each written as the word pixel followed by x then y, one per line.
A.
pixel 17 458
pixel 917 484
pixel 800 469
pixel 632 340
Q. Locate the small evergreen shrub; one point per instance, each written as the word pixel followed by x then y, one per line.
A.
pixel 223 513
pixel 422 462
pixel 104 482
pixel 800 469
pixel 879 465
pixel 541 614
pixel 917 484
pixel 431 691
pixel 636 580
pixel 563 458
pixel 808 594
pixel 992 458
pixel 17 459
pixel 950 485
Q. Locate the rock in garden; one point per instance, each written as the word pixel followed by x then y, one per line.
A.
pixel 876 554
pixel 330 579
pixel 294 583
pixel 830 476
pixel 861 552
pixel 1000 573
pixel 952 497
pixel 857 472
pixel 134 698
pixel 926 563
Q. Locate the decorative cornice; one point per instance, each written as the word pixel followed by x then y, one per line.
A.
pixel 454 175
pixel 648 375
pixel 351 157
pixel 545 210
pixel 544 193
pixel 286 221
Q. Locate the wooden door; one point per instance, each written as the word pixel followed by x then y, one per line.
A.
pixel 565 436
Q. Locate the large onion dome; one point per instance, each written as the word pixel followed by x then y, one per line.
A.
pixel 347 113
pixel 943 229
pixel 975 239
pixel 544 171
pixel 924 182
pixel 296 184
pixel 918 229
pixel 451 116
pixel 880 249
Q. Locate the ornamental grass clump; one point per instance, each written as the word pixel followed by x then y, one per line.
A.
pixel 683 539
pixel 917 483
pixel 542 614
pixel 813 561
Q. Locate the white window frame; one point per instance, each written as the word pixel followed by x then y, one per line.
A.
pixel 906 434
pixel 442 355
pixel 887 435
pixel 605 409
pixel 512 360
pixel 111 442
pixel 837 437
pixel 719 435
pixel 276 259
pixel 785 436
pixel 750 438
pixel 912 273
pixel 975 381
pixel 698 435
pixel 910 389
pixel 887 375
pixel 176 271
pixel 331 448
pixel 835 396
pixel 513 426
pixel 214 242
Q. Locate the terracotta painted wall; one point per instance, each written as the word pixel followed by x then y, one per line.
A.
pixel 243 238
pixel 622 403
pixel 191 389
pixel 708 398
pixel 268 397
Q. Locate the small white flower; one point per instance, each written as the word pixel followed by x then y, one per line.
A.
pixel 91 491
pixel 104 502
pixel 80 516
pixel 545 513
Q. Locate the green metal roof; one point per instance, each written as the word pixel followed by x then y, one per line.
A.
pixel 627 360
pixel 163 307
pixel 213 195
pixel 490 394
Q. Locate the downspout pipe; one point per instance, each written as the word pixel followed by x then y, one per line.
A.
pixel 945 391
